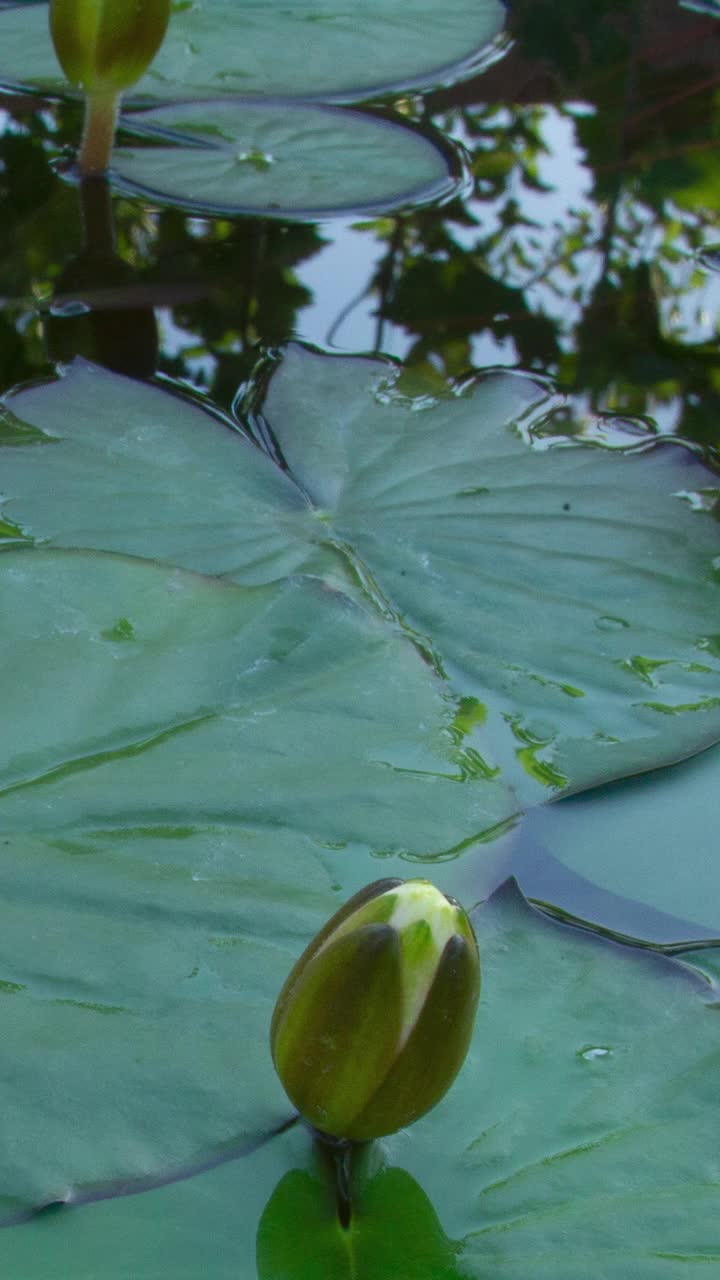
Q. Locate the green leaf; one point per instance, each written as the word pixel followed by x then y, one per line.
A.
pixel 706 960
pixel 244 1215
pixel 257 157
pixel 642 854
pixel 583 640
pixel 287 710
pixel 394 1233
pixel 569 589
pixel 202 1227
pixel 580 1127
pixel 296 49
pixel 116 465
pixel 186 768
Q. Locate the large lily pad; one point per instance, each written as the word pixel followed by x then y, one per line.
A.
pixel 318 49
pixel 580 1127
pixel 571 594
pixel 244 156
pixel 574 589
pixel 186 768
pixel 161 697
pixel 642 854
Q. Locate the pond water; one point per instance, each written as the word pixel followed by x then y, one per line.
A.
pixel 535 566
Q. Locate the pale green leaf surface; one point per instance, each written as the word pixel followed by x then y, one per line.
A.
pixel 138 973
pixel 587 637
pixel 647 842
pixel 205 1227
pixel 569 588
pixel 117 465
pixel 707 961
pixel 322 49
pixel 301 162
pixel 557 1151
pixel 547 1150
pixel 187 769
pixel 284 708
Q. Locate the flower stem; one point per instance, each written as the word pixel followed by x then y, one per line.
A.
pixel 339 1154
pixel 101 112
pixel 343 1185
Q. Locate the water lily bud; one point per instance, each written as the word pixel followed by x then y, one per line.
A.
pixel 374 1022
pixel 107 44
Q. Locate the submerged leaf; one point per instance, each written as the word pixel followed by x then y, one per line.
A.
pixel 642 853
pixel 187 768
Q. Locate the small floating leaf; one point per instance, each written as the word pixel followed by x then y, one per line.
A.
pixel 302 161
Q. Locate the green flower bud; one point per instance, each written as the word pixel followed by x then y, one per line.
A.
pixel 375 1020
pixel 107 44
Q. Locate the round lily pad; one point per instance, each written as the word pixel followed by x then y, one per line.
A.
pixel 282 160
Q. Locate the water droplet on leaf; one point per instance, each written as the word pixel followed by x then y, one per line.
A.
pixel 594 1051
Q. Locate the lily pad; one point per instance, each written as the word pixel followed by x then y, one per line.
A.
pixel 569 594
pixel 187 767
pixel 395 1232
pixel 578 1128
pixel 164 697
pixel 573 590
pixel 304 161
pixel 318 50
pixel 100 461
pixel 642 854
